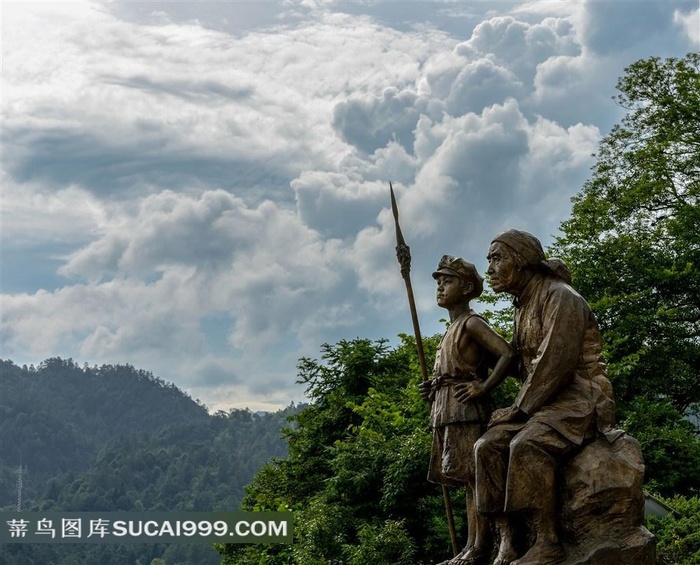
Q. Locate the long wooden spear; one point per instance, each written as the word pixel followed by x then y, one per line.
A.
pixel 403 255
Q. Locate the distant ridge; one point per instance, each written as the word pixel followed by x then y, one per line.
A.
pixel 115 438
pixel 60 414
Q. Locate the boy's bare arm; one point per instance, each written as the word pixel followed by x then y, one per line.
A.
pixel 486 338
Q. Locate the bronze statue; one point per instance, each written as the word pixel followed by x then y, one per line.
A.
pixel 552 461
pixel 459 392
pixel 565 401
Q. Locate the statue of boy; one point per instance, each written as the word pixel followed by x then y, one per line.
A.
pixel 566 398
pixel 461 405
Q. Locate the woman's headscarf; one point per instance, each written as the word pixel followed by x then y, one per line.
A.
pixel 530 249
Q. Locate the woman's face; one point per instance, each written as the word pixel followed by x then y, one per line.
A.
pixel 503 270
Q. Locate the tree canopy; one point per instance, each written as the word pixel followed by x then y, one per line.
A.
pixel 633 242
pixel 633 245
pixel 355 475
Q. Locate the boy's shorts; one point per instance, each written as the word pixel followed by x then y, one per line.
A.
pixel 452 453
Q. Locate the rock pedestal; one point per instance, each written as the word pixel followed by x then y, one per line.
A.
pixel 603 505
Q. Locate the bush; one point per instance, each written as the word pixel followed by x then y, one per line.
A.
pixel 678 533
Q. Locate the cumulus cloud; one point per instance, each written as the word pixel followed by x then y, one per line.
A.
pixel 168 229
pixel 518 43
pixel 689 22
pixel 610 27
pixel 220 190
pixel 159 270
pixel 335 204
pixel 369 122
pixel 261 265
pixel 478 173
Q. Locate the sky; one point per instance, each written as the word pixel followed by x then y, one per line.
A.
pixel 201 189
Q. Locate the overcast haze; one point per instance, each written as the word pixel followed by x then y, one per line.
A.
pixel 200 189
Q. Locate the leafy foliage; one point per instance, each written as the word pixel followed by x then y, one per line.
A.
pixel 355 476
pixel 670 446
pixel 633 247
pixel 678 533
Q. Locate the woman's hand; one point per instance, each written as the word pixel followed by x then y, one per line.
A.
pixel 504 415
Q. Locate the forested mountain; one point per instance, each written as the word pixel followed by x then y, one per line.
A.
pixel 191 466
pixel 56 417
pixel 116 438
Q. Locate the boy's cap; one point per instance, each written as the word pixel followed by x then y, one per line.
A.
pixel 458 267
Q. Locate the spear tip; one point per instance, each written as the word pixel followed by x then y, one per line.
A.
pixel 395 210
pixel 394 207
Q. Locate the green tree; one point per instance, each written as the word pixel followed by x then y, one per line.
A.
pixel 633 245
pixel 356 466
pixel 678 534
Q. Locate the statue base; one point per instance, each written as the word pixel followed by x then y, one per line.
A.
pixel 603 506
pixel 637 549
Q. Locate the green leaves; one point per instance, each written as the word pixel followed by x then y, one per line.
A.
pixel 670 446
pixel 382 542
pixel 678 533
pixel 633 246
pixel 356 472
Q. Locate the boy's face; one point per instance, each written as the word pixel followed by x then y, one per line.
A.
pixel 450 291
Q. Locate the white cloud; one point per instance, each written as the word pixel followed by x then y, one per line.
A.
pixel 370 122
pixel 477 174
pixel 690 23
pixel 521 46
pixel 481 84
pixel 31 217
pixel 336 204
pixel 110 118
pixel 168 229
pixel 275 278
pixel 223 190
pixel 611 27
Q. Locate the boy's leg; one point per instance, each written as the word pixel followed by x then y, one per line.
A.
pixel 478 546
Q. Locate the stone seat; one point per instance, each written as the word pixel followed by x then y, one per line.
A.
pixel 602 505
